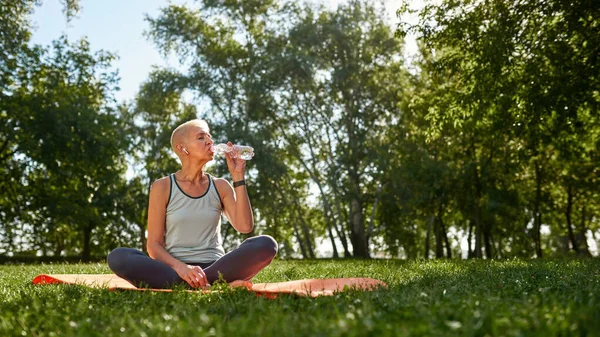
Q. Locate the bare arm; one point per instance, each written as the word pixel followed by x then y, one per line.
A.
pixel 157 209
pixel 236 203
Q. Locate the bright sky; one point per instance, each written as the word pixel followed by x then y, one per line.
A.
pixel 111 25
pixel 117 26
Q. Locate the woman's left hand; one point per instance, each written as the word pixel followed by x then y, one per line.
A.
pixel 236 166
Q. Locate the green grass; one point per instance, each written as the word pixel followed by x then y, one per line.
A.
pixel 425 298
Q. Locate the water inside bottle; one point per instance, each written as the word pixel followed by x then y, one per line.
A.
pixel 245 153
pixel 238 151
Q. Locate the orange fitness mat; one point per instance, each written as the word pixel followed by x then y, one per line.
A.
pixel 307 287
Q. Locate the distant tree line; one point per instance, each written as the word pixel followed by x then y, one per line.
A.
pixel 491 132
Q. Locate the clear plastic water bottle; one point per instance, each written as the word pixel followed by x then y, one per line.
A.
pixel 239 151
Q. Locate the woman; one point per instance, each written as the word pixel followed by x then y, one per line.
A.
pixel 184 221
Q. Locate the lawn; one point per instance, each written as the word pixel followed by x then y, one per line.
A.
pixel 425 298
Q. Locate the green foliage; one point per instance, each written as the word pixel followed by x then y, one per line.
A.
pixel 334 111
pixel 450 298
pixel 505 95
pixel 69 136
pixel 61 145
pixel 309 89
pixel 491 133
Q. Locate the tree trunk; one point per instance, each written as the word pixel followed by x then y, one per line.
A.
pixel 307 251
pixel 359 238
pixel 342 236
pixel 428 235
pixel 59 247
pixel 299 239
pixel 333 245
pixel 500 248
pixel 439 241
pixel 537 220
pixel 568 213
pixel 326 206
pixel 478 249
pixel 327 213
pixel 87 237
pixel 470 253
pixel 446 241
pixel 478 216
pixel 305 229
pixel 373 212
pixel 487 240
pixel 584 249
pixel 326 209
pixel 309 246
pixel 477 207
pixel 341 232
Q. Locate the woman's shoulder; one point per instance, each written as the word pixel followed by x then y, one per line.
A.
pixel 162 184
pixel 222 186
pixel 220 182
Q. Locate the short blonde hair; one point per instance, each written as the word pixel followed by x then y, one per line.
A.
pixel 182 129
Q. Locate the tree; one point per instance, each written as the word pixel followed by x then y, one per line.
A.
pixel 507 109
pixel 14 53
pixel 61 151
pixel 72 141
pixel 232 54
pixel 336 107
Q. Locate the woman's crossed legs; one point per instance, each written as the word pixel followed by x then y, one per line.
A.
pixel 242 263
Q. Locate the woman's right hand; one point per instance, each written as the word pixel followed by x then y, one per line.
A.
pixel 193 275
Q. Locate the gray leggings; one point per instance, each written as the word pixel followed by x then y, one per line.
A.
pixel 241 263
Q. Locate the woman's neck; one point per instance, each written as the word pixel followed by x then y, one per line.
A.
pixel 193 175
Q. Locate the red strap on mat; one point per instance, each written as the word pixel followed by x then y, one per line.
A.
pixel 308 287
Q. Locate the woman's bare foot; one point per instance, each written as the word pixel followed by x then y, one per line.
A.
pixel 241 283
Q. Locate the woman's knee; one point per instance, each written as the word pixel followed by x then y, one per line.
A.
pixel 267 245
pixel 117 259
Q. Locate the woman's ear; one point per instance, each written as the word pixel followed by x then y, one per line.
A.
pixel 182 149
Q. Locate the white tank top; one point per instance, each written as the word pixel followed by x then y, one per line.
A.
pixel 193 224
